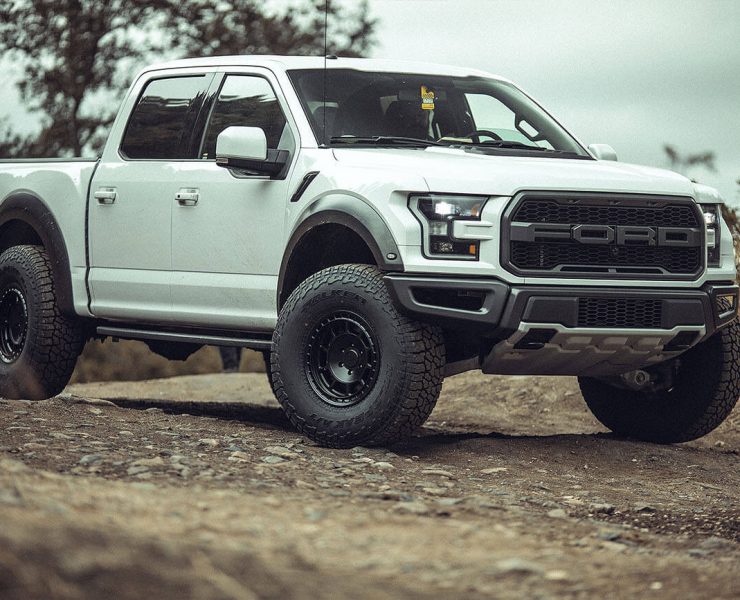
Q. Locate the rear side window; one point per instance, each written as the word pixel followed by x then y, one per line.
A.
pixel 162 122
pixel 246 101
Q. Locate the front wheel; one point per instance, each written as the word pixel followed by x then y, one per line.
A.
pixel 704 390
pixel 347 367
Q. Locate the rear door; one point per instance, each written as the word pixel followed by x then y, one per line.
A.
pixel 133 195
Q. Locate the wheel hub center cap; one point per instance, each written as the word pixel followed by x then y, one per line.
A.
pixel 350 357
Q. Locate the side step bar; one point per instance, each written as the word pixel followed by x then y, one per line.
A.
pixel 220 339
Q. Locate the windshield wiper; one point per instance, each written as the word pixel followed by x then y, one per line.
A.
pixel 508 144
pixel 382 140
pixel 511 144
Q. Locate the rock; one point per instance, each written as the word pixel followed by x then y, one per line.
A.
pixel 280 451
pixel 613 546
pixel 644 508
pixel 239 456
pixel 90 459
pixel 384 466
pixel 137 470
pixel 519 566
pixel 605 509
pixel 388 495
pixel 414 507
pixel 126 433
pixel 272 460
pixel 148 462
pixel 435 491
pixel 438 472
pixel 608 535
pixel 10 496
pixel 557 513
pixel 209 442
pixel 714 543
pixel 493 470
pixel 699 552
pixel 448 501
pixel 313 514
pixel 557 575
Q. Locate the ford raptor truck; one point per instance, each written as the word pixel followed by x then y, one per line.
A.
pixel 372 226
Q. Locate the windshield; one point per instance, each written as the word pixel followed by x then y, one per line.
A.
pixel 478 111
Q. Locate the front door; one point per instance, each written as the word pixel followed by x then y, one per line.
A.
pixel 227 227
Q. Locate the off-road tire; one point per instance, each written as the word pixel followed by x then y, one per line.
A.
pixel 52 342
pixel 704 392
pixel 407 374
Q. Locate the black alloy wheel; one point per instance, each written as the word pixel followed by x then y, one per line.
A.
pixel 13 323
pixel 342 359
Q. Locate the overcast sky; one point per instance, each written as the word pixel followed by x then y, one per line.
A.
pixel 633 74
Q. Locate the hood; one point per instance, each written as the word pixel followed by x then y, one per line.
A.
pixel 457 171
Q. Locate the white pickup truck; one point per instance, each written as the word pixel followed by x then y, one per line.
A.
pixel 372 226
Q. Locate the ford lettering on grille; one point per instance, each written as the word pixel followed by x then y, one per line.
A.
pixel 619 235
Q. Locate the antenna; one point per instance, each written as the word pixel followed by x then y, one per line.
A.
pixel 326 51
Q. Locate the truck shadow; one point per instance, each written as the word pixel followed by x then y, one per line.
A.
pixel 425 442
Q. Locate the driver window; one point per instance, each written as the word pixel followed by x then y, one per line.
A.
pixel 247 101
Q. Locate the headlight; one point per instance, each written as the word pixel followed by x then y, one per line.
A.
pixel 712 218
pixel 437 213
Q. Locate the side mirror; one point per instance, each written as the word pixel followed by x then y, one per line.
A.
pixel 245 148
pixel 602 152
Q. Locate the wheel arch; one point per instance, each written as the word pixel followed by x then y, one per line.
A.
pixel 25 219
pixel 367 239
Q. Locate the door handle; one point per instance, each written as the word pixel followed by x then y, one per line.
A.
pixel 187 197
pixel 105 196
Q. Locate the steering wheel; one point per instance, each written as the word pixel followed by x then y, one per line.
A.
pixel 475 135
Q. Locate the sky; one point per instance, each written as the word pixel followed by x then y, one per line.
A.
pixel 632 74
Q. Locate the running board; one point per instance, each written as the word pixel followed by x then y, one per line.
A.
pixel 239 341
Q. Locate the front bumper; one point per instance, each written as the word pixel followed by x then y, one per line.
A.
pixel 565 330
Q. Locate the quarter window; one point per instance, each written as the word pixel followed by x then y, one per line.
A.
pixel 162 122
pixel 245 101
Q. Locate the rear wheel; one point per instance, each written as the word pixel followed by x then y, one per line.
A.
pixel 38 345
pixel 347 368
pixel 704 389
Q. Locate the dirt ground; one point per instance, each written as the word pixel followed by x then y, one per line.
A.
pixel 197 487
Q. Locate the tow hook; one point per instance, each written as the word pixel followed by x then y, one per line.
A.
pixel 637 380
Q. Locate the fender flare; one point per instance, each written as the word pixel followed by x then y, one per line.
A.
pixel 357 216
pixel 31 210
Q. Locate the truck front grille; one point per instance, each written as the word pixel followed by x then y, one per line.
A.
pixel 625 313
pixel 628 236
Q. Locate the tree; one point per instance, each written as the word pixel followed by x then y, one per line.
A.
pixel 208 28
pixel 684 163
pixel 74 53
pixel 69 50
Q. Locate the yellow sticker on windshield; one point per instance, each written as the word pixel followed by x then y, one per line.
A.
pixel 427 98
